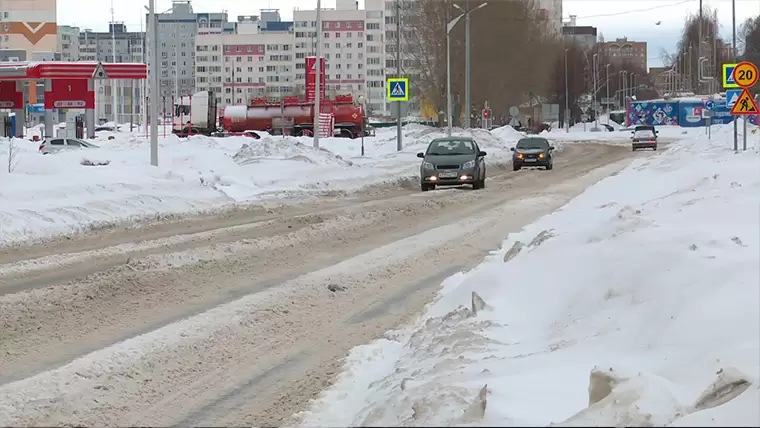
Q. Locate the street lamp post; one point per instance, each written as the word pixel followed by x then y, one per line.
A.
pixel 317 78
pixel 567 98
pixel 467 100
pixel 449 27
pixel 607 104
pixel 362 100
pixel 593 93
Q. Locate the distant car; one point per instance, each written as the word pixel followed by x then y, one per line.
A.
pixel 643 137
pixel 533 152
pixel 55 145
pixel 452 161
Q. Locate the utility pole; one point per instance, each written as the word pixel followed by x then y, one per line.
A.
pixel 733 59
pixel 113 59
pixel 467 99
pixel 699 51
pixel 593 93
pixel 318 77
pixel 567 98
pixel 607 104
pixel 399 133
pixel 153 76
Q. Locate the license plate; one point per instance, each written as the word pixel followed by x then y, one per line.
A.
pixel 448 174
pixel 530 160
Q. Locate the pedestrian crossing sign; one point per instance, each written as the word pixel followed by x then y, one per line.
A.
pixel 397 89
pixel 745 104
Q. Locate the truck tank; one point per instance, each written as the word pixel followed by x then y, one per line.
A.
pixel 292 115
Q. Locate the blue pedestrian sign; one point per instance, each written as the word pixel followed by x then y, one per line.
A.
pixel 728 76
pixel 710 105
pixel 397 89
pixel 732 96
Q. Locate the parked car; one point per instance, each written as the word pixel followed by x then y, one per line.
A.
pixel 55 145
pixel 452 161
pixel 532 152
pixel 643 137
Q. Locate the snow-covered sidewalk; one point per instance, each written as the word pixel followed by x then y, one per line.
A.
pixel 56 194
pixel 636 304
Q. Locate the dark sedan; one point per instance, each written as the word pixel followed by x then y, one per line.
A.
pixel 452 161
pixel 533 152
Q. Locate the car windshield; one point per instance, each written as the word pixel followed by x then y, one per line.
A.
pixel 451 148
pixel 532 144
pixel 644 133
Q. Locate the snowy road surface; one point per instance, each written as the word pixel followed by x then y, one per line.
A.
pixel 243 318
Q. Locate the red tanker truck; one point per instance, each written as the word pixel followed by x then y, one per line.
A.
pixel 289 116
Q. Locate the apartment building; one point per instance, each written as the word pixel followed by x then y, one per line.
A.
pixel 177 30
pixel 343 47
pixel 623 51
pixel 29 26
pixel 68 42
pixel 583 36
pixel 257 60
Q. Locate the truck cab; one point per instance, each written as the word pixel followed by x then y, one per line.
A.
pixel 194 114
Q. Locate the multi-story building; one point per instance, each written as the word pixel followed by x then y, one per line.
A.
pixel 623 51
pixel 30 26
pixel 115 45
pixel 583 36
pixel 177 29
pixel 255 61
pixel 343 47
pixel 68 42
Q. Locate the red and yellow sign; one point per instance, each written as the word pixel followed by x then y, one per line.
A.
pixel 745 104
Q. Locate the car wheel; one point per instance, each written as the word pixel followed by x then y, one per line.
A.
pixel 549 166
pixel 654 148
pixel 515 167
pixel 483 183
pixel 633 149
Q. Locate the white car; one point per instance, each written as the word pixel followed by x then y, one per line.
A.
pixel 55 145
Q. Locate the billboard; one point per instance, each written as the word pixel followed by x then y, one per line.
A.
pixel 654 113
pixel 311 78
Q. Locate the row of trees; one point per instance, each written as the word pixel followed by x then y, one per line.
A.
pixel 516 59
pixel 714 47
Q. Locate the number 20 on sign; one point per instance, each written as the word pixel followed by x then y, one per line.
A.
pixel 745 74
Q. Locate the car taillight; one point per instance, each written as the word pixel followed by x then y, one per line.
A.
pixel 651 141
pixel 635 140
pixel 41 146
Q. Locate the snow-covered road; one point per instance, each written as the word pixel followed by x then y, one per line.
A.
pixel 242 318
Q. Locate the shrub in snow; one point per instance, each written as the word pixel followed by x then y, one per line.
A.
pixel 88 162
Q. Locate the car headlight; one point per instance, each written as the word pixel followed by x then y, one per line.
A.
pixel 469 164
pixel 428 165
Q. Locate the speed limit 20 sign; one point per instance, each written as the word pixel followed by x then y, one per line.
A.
pixel 745 74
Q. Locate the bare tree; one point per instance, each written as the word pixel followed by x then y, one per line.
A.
pixel 686 59
pixel 502 36
pixel 425 43
pixel 13 155
pixel 748 39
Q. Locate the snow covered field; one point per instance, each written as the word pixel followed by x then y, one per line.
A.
pixel 635 304
pixel 54 194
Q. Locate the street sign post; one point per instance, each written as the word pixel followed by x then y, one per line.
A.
pixel 745 105
pixel 745 74
pixel 728 76
pixel 732 95
pixel 397 89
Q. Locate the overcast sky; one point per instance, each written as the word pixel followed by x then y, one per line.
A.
pixel 614 18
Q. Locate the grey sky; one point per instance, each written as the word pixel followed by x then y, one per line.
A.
pixel 614 18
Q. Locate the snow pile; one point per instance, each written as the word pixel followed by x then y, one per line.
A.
pixel 633 305
pixel 78 190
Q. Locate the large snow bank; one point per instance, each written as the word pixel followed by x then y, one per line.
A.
pixel 53 194
pixel 636 304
